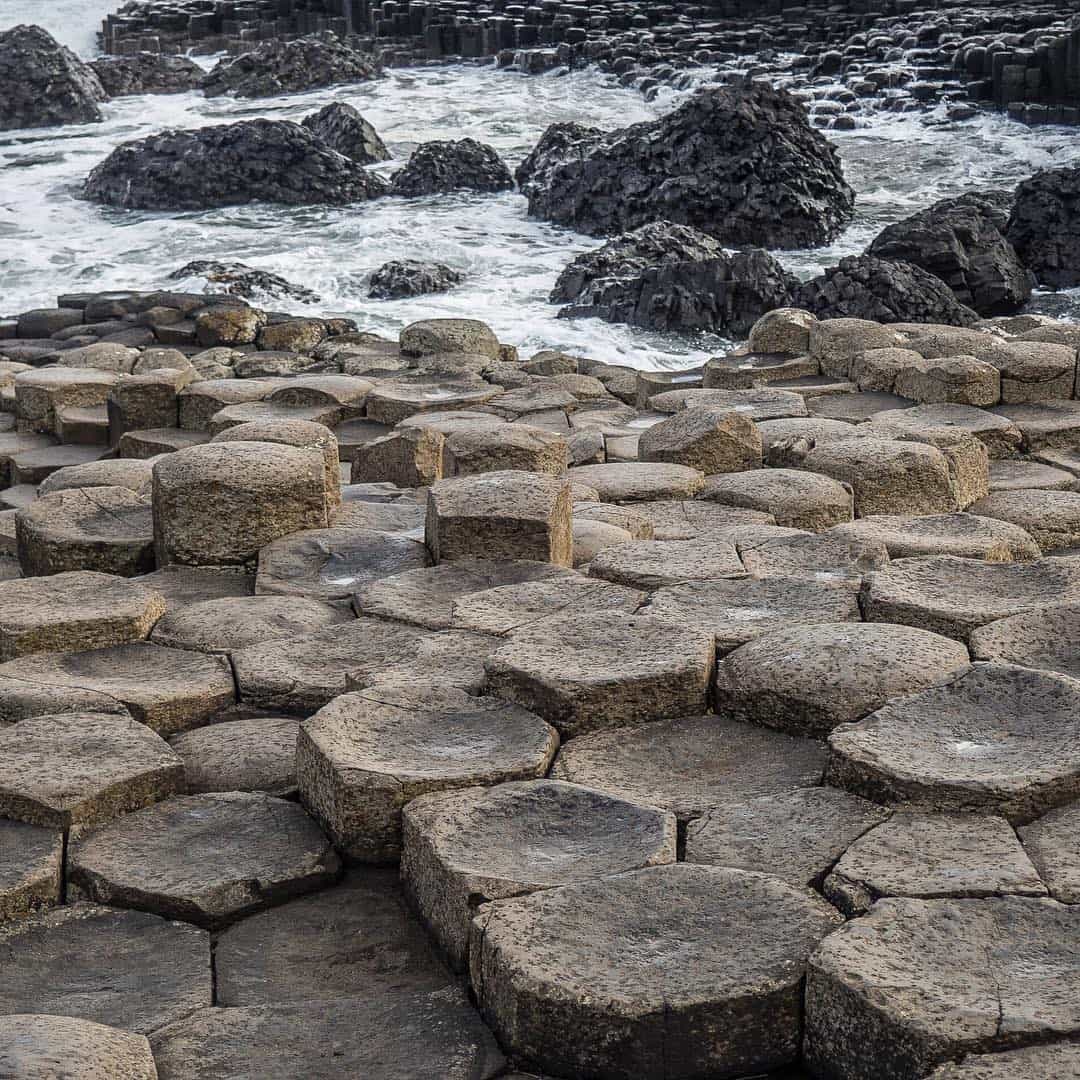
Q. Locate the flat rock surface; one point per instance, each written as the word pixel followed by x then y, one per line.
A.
pixel 44 1047
pixel 796 499
pixel 966 536
pixel 206 859
pixel 31 860
pixel 181 585
pixel 1053 844
pixel 1032 1063
pixel 255 754
pixel 652 564
pixel 639 481
pixel 1048 637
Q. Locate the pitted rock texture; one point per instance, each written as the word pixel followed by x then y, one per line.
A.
pixel 38 1047
pixel 343 129
pixel 239 279
pixel 465 165
pixel 410 277
pixel 147 73
pixel 1043 226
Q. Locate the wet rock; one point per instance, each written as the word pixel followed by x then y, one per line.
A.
pixel 35 1047
pixel 31 865
pixel 239 279
pixel 1051 842
pixel 403 278
pixel 343 129
pixel 441 167
pixel 228 165
pixel 147 73
pixel 679 168
pixel 536 960
pixel 289 67
pixel 1043 226
pixel 44 83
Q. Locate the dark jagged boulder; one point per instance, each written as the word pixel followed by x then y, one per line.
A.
pixel 1045 226
pixel 227 165
pixel 147 73
pixel 671 277
pixel 409 277
pixel 239 279
pixel 343 129
pixel 43 84
pixel 960 242
pixel 863 287
pixel 739 162
pixel 465 165
pixel 288 67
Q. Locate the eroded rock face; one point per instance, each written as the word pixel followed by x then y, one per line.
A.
pixel 343 129
pixel 147 73
pixel 228 165
pixel 401 278
pixel 452 166
pixel 43 84
pixel 239 279
pixel 1044 226
pixel 288 67
pixel 739 162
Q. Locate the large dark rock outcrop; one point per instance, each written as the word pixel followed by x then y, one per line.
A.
pixel 239 279
pixel 1045 226
pixel 740 162
pixel 288 67
pixel 672 277
pixel 43 84
pixel 960 241
pixel 409 277
pixel 226 165
pixel 465 165
pixel 147 73
pixel 863 287
pixel 343 129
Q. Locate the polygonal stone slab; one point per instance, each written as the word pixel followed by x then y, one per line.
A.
pixel 757 404
pixel 1046 425
pixel 451 660
pixel 798 500
pixel 31 862
pixel 999 739
pixel 954 596
pixel 391 402
pixel 691 764
pixel 181 585
pixel 689 519
pixel 74 611
pixel 919 982
pixel 796 836
pixel 1047 638
pixel 809 679
pixel 652 564
pixel 219 626
pixel 108 529
pixel 815 558
pixel 492 447
pixel 1017 474
pixel 206 859
pixel 364 756
pixel 709 440
pixel 1059 1060
pixel 737 610
pixel 126 969
pixel 537 961
pixel 1001 436
pixel 1053 844
pixel 257 754
pixel 597 671
pixel 45 1047
pixel 131 473
pixel 1051 517
pixel 640 481
pixel 358 937
pixel 501 515
pixel 82 769
pixel 966 536
pixel 463 848
pixel 411 1033
pixel 168 690
pixel 331 564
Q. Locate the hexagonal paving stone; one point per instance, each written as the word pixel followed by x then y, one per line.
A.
pixel 1060 1060
pixel 31 860
pixel 255 754
pixel 1051 517
pixel 126 969
pixel 919 982
pixel 1012 474
pixel 796 836
pixel 108 529
pixel 1047 638
pixel 689 519
pixel 998 740
pixel 364 756
pixel 815 558
pixel 955 596
pixel 168 690
pixel 1001 436
pixel 74 611
pixel 756 404
pixel 407 1034
pixel 82 769
pixel 652 564
pixel 966 536
pixel 809 679
pixel 585 673
pixel 206 859
pixel 639 481
pixel 689 765
pixel 331 564
pixel 738 610
pixel 796 499
pixel 1053 844
pixel 356 938
pixel 42 1047
pixel 462 848
pixel 181 585
pixel 736 1009
pixel 219 626
pixel 131 473
pixel 932 856
pixel 427 597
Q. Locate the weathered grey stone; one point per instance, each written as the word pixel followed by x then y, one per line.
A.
pixel 835 343
pixel 463 848
pixel 1051 842
pixel 757 368
pixel 854 408
pixel 796 499
pixel 1012 474
pixel 586 673
pixel 966 536
pixel 652 564
pixel 692 519
pixel 769 403
pixel 256 754
pixel 1045 425
pixel 182 585
pixel 41 394
pixel 1046 637
pixel 392 402
pixel 131 473
pixel 737 1009
pixel 409 456
pixel 495 447
pixel 31 868
pixel 1032 1063
pixel 451 660
pixel 200 401
pixel 998 739
pixel 827 557
pixel 810 679
pixel 43 1047
pixel 640 481
pixel 782 330
pixel 363 757
pixel 957 380
pixel 707 439
pixel 1001 436
pixel 1052 518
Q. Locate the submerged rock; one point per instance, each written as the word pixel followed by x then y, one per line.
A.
pixel 147 73
pixel 1045 226
pixel 410 277
pixel 239 279
pixel 741 163
pixel 343 129
pixel 42 83
pixel 227 165
pixel 452 166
